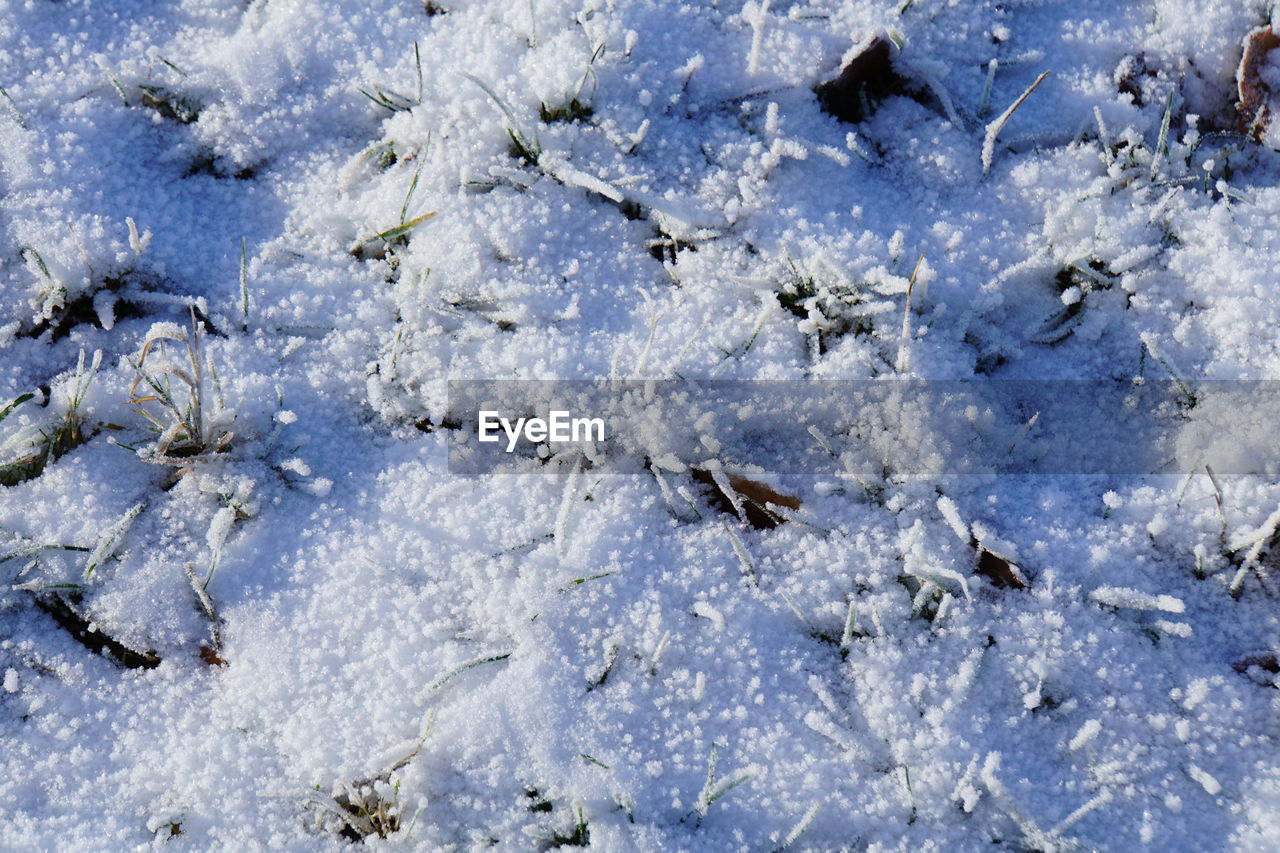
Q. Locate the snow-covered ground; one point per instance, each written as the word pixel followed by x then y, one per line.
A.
pixel 262 614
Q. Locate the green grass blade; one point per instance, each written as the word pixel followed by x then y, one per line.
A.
pixel 392 233
pixel 413 185
pixel 18 401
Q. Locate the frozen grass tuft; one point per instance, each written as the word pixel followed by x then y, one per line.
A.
pixel 180 402
pixel 26 453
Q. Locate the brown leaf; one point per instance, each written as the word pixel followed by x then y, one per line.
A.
pixel 1267 661
pixel 998 570
pixel 862 82
pixel 68 617
pixel 210 656
pixel 756 498
pixel 1254 92
pixel 761 493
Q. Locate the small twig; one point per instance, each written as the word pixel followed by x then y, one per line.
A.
pixel 850 627
pixel 904 344
pixel 997 125
pixel 1162 142
pixel 984 103
pixel 744 558
pixel 1217 497
pixel 757 38
pixel 196 357
pixel 13 108
pixel 806 820
pixel 206 604
pixel 244 289
pixel 417 61
pixel 1186 392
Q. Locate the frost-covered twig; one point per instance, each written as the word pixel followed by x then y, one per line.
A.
pixel 567 503
pixel 713 790
pixel 206 606
pixel 758 18
pixel 806 820
pixel 984 103
pixel 744 558
pixel 904 341
pixel 997 125
pixel 13 108
pixel 1162 142
pixel 244 288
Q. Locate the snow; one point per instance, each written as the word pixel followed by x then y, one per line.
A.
pixel 353 633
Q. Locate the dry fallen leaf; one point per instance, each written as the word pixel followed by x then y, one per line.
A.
pixel 211 657
pixel 997 569
pixel 755 497
pixel 866 79
pixel 1266 661
pixel 1261 669
pixel 1253 90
